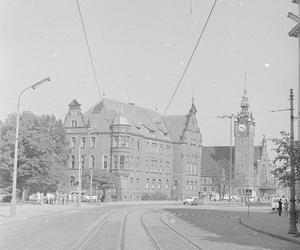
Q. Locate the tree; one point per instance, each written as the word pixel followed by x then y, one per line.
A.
pixel 219 182
pixel 102 181
pixel 284 158
pixel 42 155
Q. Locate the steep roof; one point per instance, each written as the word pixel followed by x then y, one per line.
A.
pixel 214 155
pixel 143 121
pixel 74 103
pixel 175 125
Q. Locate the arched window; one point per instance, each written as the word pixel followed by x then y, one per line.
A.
pixel 131 183
pixel 122 162
pixel 153 184
pixel 167 184
pixel 191 185
pixel 159 184
pixel 195 185
pixel 72 181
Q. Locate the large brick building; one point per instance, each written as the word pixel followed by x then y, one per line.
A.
pixel 151 155
pixel 251 167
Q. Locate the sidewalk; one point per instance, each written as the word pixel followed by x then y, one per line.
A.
pixel 28 210
pixel 272 224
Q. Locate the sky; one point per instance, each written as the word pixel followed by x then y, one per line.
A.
pixel 140 49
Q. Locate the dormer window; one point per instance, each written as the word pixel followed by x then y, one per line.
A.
pixel 74 123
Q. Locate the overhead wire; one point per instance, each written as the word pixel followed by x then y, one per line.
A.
pixel 89 49
pixel 191 57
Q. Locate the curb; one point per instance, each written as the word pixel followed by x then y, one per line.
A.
pixel 36 216
pixel 268 233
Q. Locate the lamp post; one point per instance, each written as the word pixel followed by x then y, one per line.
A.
pixel 14 187
pixel 230 149
pixel 292 224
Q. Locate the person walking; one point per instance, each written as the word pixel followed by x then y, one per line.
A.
pixel 279 207
pixel 286 207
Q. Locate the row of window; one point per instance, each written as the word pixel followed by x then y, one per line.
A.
pixel 123 162
pixel 158 167
pixel 191 168
pixel 123 141
pixel 136 184
pixel 82 161
pixel 158 148
pixel 83 142
pixel 156 184
pixel 191 185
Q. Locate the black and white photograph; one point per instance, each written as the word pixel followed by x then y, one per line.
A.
pixel 149 124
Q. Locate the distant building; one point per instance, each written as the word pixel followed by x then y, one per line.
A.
pixel 251 167
pixel 152 156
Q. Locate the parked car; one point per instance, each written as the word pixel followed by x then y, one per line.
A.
pixel 274 203
pixel 191 201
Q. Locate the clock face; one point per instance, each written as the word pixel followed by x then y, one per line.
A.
pixel 242 128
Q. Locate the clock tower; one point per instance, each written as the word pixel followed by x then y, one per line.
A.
pixel 244 133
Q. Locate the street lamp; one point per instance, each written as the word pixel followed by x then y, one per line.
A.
pixel 14 187
pixel 230 150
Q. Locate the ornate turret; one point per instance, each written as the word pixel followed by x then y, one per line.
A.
pixel 193 109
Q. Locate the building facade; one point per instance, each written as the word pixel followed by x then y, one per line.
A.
pixel 149 154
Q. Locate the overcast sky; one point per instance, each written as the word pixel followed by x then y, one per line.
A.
pixel 140 49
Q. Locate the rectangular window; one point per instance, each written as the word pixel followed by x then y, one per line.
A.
pixel 168 149
pixel 147 183
pixel 73 142
pixel 73 161
pixel 138 144
pixel 167 167
pixel 187 185
pixel 72 181
pixel 115 161
pixel 93 140
pixel 122 162
pixel 105 160
pixel 82 142
pixel 137 183
pixel 204 189
pixel 74 123
pixel 92 161
pixel 82 161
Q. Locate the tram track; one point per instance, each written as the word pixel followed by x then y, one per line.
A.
pixel 176 235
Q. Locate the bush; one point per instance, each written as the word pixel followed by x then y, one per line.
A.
pixel 153 196
pixel 7 198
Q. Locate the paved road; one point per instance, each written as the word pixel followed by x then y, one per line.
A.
pixel 138 227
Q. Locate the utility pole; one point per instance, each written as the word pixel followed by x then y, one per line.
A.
pixel 230 150
pixel 79 174
pixel 295 32
pixel 292 225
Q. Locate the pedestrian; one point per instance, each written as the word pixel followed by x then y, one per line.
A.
pixel 279 207
pixel 286 207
